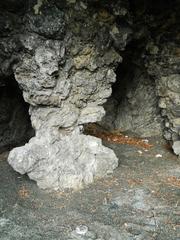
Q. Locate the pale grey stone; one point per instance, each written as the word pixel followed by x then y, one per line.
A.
pixel 59 159
pixel 176 147
pixel 65 77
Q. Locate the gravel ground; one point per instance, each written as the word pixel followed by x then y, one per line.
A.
pixel 140 201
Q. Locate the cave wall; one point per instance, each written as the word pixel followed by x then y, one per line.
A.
pixel 134 101
pixel 149 75
pixel 65 56
pixel 162 60
pixel 138 112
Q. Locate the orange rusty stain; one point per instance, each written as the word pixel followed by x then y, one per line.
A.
pixel 173 181
pixel 133 182
pixel 23 192
pixel 114 137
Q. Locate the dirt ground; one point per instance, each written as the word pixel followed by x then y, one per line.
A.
pixel 140 201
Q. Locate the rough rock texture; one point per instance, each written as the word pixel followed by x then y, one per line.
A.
pixel 163 64
pixel 64 56
pixel 166 73
pixel 66 70
pixel 138 110
pixel 15 126
pixel 155 84
pixel 134 103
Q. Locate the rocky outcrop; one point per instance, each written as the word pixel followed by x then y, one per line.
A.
pixel 166 73
pixel 163 64
pixel 138 111
pixel 64 56
pixel 134 102
pixel 147 98
pixel 66 70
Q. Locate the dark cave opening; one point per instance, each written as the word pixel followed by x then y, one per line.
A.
pixel 133 105
pixel 143 99
pixel 15 124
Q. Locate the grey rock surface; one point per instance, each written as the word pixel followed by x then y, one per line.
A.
pixel 151 100
pixel 176 147
pixel 164 67
pixel 66 70
pixel 64 56
pixel 133 106
pixel 138 111
pixel 62 159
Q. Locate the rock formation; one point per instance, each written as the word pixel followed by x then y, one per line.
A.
pixel 134 101
pixel 65 56
pixel 66 69
pixel 146 98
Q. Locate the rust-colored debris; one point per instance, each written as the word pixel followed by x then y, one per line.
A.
pixel 168 147
pixel 174 181
pixel 23 192
pixel 132 182
pixel 114 137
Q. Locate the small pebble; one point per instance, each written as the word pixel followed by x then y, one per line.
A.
pixel 105 201
pixel 145 140
pixel 139 151
pixel 158 156
pixel 81 230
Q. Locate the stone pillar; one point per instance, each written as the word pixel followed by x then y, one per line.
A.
pixel 66 72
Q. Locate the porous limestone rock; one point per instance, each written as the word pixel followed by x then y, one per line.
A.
pixel 165 70
pixel 66 69
pixel 138 111
pixel 64 55
pixel 147 97
pixel 134 106
pixel 176 147
pixel 60 159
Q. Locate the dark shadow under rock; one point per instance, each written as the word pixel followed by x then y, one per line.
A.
pixel 15 125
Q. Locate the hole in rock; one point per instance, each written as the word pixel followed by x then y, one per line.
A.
pixel 15 124
pixel 132 111
pixel 133 105
pixel 151 56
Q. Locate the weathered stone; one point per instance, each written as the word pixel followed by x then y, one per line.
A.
pixel 134 106
pixel 64 55
pixel 167 80
pixel 59 159
pixel 176 147
pixel 46 20
pixel 138 110
pixel 65 76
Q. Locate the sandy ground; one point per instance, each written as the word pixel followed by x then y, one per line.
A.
pixel 141 201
